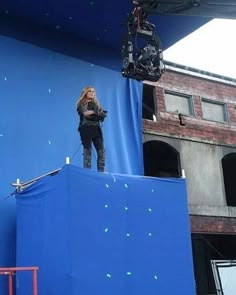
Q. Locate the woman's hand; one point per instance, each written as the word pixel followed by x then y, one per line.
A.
pixel 88 113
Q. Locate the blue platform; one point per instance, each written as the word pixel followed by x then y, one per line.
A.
pixel 95 233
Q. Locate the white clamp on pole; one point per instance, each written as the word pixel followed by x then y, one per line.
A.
pixel 67 160
pixel 18 184
pixel 183 173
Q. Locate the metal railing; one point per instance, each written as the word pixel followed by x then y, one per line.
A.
pixel 10 271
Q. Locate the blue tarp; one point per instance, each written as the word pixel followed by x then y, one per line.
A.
pixel 104 233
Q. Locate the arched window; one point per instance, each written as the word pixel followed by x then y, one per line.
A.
pixel 229 165
pixel 160 160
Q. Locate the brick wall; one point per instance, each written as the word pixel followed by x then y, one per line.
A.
pixel 212 225
pixel 195 126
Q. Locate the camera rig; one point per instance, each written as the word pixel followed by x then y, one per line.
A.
pixel 141 61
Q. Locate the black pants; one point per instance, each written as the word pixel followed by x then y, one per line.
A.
pixel 93 135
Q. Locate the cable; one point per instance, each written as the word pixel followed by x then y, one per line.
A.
pixel 214 248
pixel 75 152
pixel 93 152
pixel 5 198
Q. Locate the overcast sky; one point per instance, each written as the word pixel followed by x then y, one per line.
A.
pixel 211 48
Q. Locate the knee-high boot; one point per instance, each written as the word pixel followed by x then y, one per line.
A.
pixel 87 157
pixel 101 160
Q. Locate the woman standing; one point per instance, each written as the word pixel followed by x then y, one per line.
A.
pixel 91 115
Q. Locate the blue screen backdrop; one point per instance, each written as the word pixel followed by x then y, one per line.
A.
pixel 38 122
pixel 93 233
pixel 88 232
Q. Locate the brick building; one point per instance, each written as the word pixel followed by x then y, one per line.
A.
pixel 189 127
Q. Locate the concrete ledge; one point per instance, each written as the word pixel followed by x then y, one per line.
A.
pixel 212 210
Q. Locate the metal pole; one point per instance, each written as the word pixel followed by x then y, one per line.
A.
pixel 10 287
pixel 35 288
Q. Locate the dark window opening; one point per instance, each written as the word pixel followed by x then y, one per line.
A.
pixel 149 111
pixel 160 160
pixel 228 166
pixel 207 248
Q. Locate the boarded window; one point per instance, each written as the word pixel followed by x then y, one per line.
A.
pixel 178 103
pixel 214 111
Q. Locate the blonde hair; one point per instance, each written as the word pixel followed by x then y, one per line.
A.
pixel 83 95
